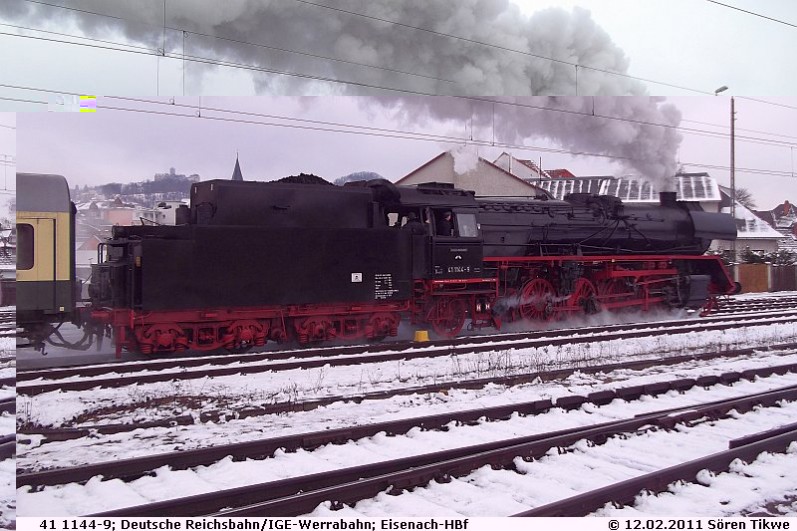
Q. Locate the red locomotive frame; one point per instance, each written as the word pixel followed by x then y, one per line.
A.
pixel 534 292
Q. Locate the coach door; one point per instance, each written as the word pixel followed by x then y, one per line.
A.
pixel 459 253
pixel 36 263
pixel 43 266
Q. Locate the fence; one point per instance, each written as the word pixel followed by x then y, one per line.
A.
pixel 764 277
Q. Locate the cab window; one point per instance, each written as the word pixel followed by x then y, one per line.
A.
pixel 466 226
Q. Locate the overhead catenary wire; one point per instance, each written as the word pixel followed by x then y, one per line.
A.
pixel 534 107
pixel 442 138
pixel 353 129
pixel 147 51
pixel 164 27
pixel 203 60
pixel 499 47
pixel 774 103
pixel 752 13
pixel 418 28
pixel 723 126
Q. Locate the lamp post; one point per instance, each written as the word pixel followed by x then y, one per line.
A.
pixel 733 163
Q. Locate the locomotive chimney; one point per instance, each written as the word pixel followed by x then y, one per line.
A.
pixel 667 199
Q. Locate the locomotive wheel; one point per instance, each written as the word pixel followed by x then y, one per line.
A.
pixel 537 300
pixel 447 316
pixel 245 335
pixel 381 325
pixel 585 297
pixel 612 291
pixel 161 338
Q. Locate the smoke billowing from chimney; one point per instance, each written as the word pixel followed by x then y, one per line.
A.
pixel 396 56
pixel 646 150
pixel 407 59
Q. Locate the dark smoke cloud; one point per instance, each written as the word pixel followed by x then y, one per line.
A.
pixel 646 150
pixel 441 65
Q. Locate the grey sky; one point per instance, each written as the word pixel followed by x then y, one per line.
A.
pixel 694 44
pixel 8 155
pixel 125 146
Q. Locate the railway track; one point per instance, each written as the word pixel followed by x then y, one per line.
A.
pixel 8 323
pixel 83 378
pixel 624 493
pixel 260 449
pixel 292 496
pixel 60 434
pixel 224 358
pixel 758 307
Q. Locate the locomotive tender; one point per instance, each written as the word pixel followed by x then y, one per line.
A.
pixel 251 262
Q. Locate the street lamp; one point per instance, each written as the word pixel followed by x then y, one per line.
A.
pixel 733 163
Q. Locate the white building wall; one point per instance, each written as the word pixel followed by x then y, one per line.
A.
pixel 515 167
pixel 485 179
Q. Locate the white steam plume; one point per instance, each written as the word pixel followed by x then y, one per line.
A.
pixel 466 159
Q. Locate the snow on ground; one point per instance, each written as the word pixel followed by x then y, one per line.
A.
pixel 8 467
pixel 8 498
pixel 767 484
pixel 488 492
pixel 98 447
pixel 166 483
pixel 160 400
pixel 773 295
pixel 233 392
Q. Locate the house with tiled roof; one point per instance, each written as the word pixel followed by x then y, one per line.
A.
pixel 752 232
pixel 526 169
pixel 470 172
pixel 783 218
pixel 560 173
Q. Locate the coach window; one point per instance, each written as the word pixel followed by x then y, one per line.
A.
pixel 24 246
pixel 466 225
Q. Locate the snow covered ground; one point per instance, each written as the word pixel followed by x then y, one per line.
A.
pixel 153 401
pixel 625 457
pixel 7 426
pixel 128 404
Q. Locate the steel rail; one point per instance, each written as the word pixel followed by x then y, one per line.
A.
pixel 625 492
pixel 61 434
pixel 182 362
pixel 301 495
pixel 35 388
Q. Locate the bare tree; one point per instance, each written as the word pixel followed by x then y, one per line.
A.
pixel 745 198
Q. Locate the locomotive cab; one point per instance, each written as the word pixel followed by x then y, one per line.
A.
pixel 443 247
pixel 458 254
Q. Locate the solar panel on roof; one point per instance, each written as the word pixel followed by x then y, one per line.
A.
pixel 633 192
pixel 646 192
pixel 699 188
pixel 687 191
pixel 622 190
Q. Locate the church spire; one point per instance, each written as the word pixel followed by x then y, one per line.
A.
pixel 236 173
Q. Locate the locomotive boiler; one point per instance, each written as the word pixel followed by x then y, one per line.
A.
pixel 254 262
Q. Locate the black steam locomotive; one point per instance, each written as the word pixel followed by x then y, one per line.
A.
pixel 251 262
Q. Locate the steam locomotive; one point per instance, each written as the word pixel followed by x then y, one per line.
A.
pixel 253 262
